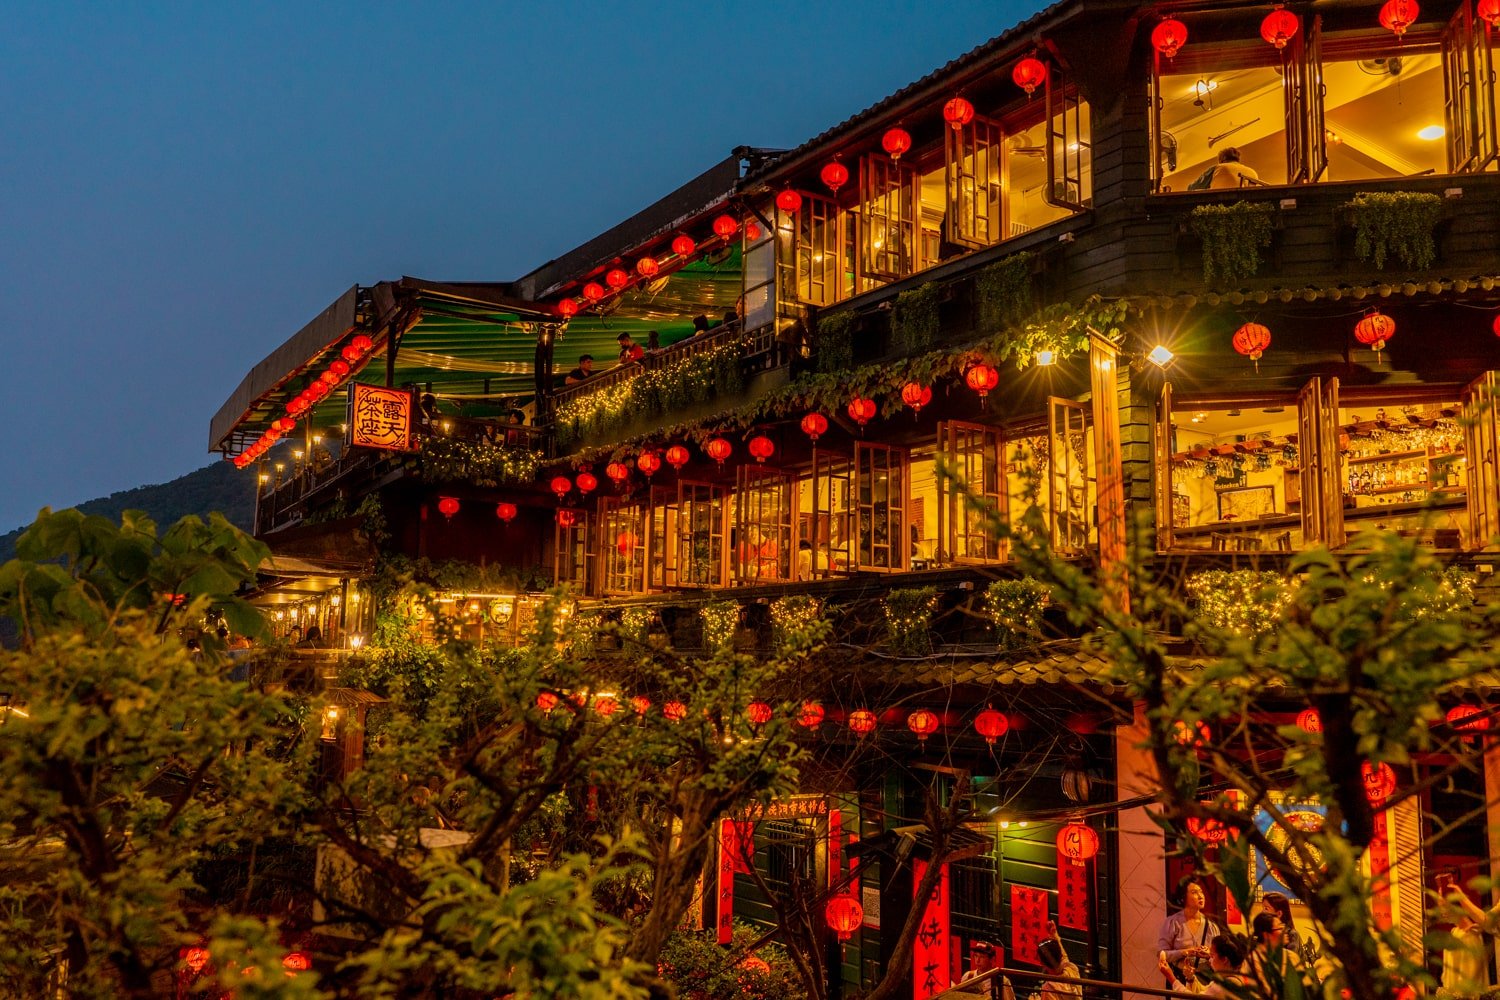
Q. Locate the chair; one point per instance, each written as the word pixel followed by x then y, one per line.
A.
pixel 1282 542
pixel 1223 541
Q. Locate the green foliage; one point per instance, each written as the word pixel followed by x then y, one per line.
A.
pixel 699 967
pixel 1062 329
pixel 1233 235
pixel 1238 601
pixel 833 341
pixel 483 463
pixel 1004 292
pixel 720 621
pixel 1396 223
pixel 792 616
pixel 915 320
pixel 1016 607
pixel 908 620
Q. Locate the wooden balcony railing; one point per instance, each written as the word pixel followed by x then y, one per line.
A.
pixel 760 347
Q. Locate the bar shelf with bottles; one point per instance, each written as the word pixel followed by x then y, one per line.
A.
pixel 1390 477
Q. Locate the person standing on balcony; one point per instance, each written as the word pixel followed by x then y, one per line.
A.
pixel 584 370
pixel 630 351
pixel 1054 960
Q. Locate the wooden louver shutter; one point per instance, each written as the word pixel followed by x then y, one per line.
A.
pixel 1482 450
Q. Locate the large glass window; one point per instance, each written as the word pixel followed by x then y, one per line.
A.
pixel 622 550
pixel 974 453
pixel 888 233
pixel 881 478
pixel 573 552
pixel 826 516
pixel 764 523
pixel 701 524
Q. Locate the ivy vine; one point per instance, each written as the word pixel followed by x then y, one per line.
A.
pixel 483 463
pixel 1004 293
pixel 1396 223
pixel 833 341
pixel 1233 236
pixel 914 321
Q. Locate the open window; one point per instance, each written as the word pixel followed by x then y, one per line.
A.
pixel 1070 487
pixel 661 535
pixel 821 272
pixel 888 218
pixel 765 525
pixel 758 283
pixel 1469 92
pixel 975 178
pixel 573 552
pixel 1479 476
pixel 623 547
pixel 702 516
pixel 1069 151
pixel 826 516
pixel 881 479
pixel 975 454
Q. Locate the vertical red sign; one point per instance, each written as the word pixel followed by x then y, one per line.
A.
pixel 728 855
pixel 1073 894
pixel 835 848
pixel 931 971
pixel 1380 873
pixel 1028 922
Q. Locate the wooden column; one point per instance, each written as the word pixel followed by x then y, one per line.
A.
pixel 1141 895
pixel 1109 472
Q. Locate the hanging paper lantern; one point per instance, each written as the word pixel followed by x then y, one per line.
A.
pixel 811 715
pixel 834 175
pixel 1029 74
pixel 447 506
pixel 561 485
pixel 618 471
pixel 593 291
pixel 790 201
pixel 922 722
pixel 1468 718
pixel 648 463
pixel 675 711
pixel 1280 27
pixel 1251 341
pixel 1380 782
pixel 1077 841
pixel 895 142
pixel 616 277
pixel 1398 15
pixel 844 916
pixel 195 958
pixel 296 961
pixel 916 395
pixel 1169 36
pixel 625 542
pixel 814 425
pixel 1187 736
pixel 606 705
pixel 862 410
pixel 752 231
pixel 761 447
pixel 349 354
pixel 1210 831
pixel 718 449
pixel 758 712
pixel 339 368
pixel 546 701
pixel 862 721
pixel 677 456
pixel 1489 12
pixel 567 308
pixel 725 226
pixel 567 519
pixel 1309 720
pixel 640 704
pixel 362 343
pixel 1375 330
pixel 982 378
pixel 647 267
pixel 683 245
pixel 505 512
pixel 958 112
pixel 586 482
pixel 329 379
pixel 991 725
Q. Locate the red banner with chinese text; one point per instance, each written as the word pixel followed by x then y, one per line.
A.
pixel 931 968
pixel 1073 894
pixel 835 848
pixel 1028 922
pixel 736 852
pixel 1380 872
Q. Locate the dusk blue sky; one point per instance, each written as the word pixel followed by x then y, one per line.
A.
pixel 183 186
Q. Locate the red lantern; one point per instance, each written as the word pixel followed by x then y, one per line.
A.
pixel 1210 831
pixel 1169 36
pixel 361 343
pixel 640 704
pixel 683 245
pixel 447 506
pixel 1309 720
pixel 991 725
pixel 647 267
pixel 329 379
pixel 725 226
pixel 844 916
pixel 916 395
pixel 958 112
pixel 758 712
pixel 761 447
pixel 339 368
pixel 834 175
pixel 624 542
pixel 586 482
pixel 862 410
pixel 790 201
pixel 982 379
pixel 811 715
pixel 546 701
pixel 1374 330
pixel 295 962
pixel 814 425
pixel 618 471
pixel 754 963
pixel 349 354
pixel 561 485
pixel 1380 782
pixel 923 723
pixel 593 291
pixel 606 705
pixel 1280 27
pixel 1029 74
pixel 675 711
pixel 1398 15
pixel 1489 12
pixel 567 519
pixel 752 231
pixel 648 463
pixel 718 449
pixel 195 958
pixel 1251 341
pixel 505 512
pixel 1077 841
pixel 1468 718
pixel 567 308
pixel 895 142
pixel 616 277
pixel 1188 736
pixel 677 456
pixel 862 722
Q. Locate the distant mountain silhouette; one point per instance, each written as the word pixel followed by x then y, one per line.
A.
pixel 216 487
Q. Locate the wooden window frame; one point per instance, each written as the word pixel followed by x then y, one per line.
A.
pixel 969 152
pixel 1062 129
pixel 832 473
pixel 966 446
pixel 888 201
pixel 565 541
pixel 1468 68
pixel 1480 399
pixel 622 572
pixel 1069 525
pixel 691 496
pixel 765 502
pixel 871 458
pixel 817 231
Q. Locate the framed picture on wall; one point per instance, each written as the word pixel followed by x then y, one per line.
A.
pixel 1247 503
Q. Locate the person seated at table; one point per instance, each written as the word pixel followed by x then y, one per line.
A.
pixel 630 351
pixel 584 370
pixel 429 408
pixel 700 325
pixel 1229 172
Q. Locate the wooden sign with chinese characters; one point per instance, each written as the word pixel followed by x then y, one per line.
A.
pixel 930 957
pixel 380 418
pixel 1028 922
pixel 796 807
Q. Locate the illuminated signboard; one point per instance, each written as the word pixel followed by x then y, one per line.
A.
pixel 380 418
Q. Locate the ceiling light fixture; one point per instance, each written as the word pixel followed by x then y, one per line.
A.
pixel 1431 133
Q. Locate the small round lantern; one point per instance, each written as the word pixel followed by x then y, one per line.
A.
pixel 675 711
pixel 606 706
pixel 329 378
pixel 1380 782
pixel 677 456
pixel 1398 15
pixel 1077 841
pixel 567 308
pixel 648 463
pixel 718 449
pixel 982 379
pixel 814 425
pixel 447 506
pixel 586 482
pixel 546 701
pixel 561 485
pixel 567 519
pixel 1210 831
pixel 916 395
pixel 339 368
pixel 362 343
pixel 593 291
pixel 895 142
pixel 505 512
pixel 790 201
pixel 1186 735
pixel 1029 74
pixel 862 722
pixel 862 410
pixel 754 963
pixel 1375 330
pixel 350 354
pixel 991 725
pixel 1279 27
pixel 725 226
pixel 1169 36
pixel 1468 718
pixel 761 447
pixel 640 704
pixel 758 712
pixel 616 277
pixel 647 267
pixel 1309 720
pixel 1251 341
pixel 618 471
pixel 625 542
pixel 834 176
pixel 295 962
pixel 811 715
pixel 683 245
pixel 194 957
pixel 958 112
pixel 922 722
pixel 844 916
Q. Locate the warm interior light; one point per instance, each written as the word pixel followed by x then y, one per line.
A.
pixel 1431 133
pixel 1045 357
pixel 1161 356
pixel 355 641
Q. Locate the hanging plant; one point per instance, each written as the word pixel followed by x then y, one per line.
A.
pixel 1062 328
pixel 1244 601
pixel 1015 607
pixel 720 619
pixel 914 322
pixel 1004 292
pixel 833 341
pixel 1233 236
pixel 908 620
pixel 792 614
pixel 1396 224
pixel 483 463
